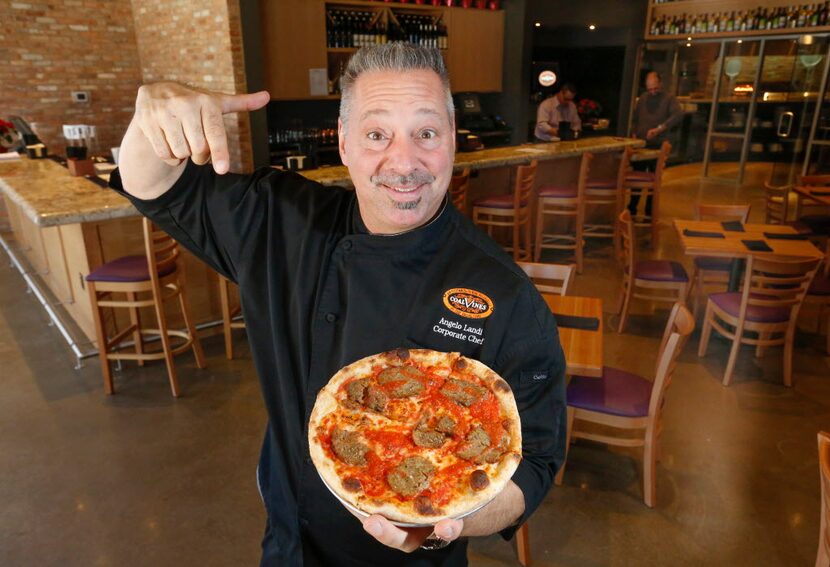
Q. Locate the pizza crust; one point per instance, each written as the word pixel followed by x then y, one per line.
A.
pixel 442 364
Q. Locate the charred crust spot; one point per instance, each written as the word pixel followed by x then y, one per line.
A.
pixel 423 505
pixel 460 364
pixel 501 386
pixel 479 480
pixel 516 457
pixel 352 484
pixel 402 353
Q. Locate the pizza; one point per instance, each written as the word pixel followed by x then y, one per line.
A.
pixel 415 435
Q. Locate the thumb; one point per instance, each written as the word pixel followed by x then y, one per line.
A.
pixel 244 102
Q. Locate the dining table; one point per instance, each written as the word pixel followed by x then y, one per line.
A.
pixel 816 194
pixel 580 332
pixel 739 241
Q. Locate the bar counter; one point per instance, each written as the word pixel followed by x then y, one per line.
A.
pixel 67 226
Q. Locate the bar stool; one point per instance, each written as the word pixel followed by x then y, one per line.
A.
pixel 776 202
pixel 654 280
pixel 511 210
pixel 459 185
pixel 228 315
pixel 645 183
pixel 566 201
pixel 159 274
pixel 608 193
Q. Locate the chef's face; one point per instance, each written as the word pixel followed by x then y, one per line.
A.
pixel 399 146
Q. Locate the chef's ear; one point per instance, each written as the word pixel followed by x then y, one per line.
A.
pixel 341 141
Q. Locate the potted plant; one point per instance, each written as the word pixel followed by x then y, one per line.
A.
pixel 589 110
pixel 9 138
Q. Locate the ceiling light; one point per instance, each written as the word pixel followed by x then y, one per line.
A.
pixel 740 41
pixel 592 27
pixel 538 24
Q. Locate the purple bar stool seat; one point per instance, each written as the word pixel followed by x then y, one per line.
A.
pixel 559 191
pixel 660 271
pixel 126 269
pixel 617 392
pixel 601 184
pixel 731 303
pixel 497 202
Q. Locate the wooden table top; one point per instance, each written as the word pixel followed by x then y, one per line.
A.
pixel 645 154
pixel 582 348
pixel 731 246
pixel 808 192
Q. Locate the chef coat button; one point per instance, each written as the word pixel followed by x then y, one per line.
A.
pixel 308 460
pixel 304 522
pixel 347 245
pixel 331 317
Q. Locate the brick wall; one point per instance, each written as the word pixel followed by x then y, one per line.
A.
pixel 52 48
pixel 111 47
pixel 197 43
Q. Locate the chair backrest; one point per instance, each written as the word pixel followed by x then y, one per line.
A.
pixel 627 240
pixel 680 325
pixel 550 278
pixel 523 187
pixel 459 184
pixel 777 282
pixel 625 166
pixel 776 203
pixel 722 212
pixel 824 474
pixel 161 250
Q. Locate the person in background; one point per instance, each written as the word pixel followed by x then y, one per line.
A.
pixel 656 113
pixel 558 108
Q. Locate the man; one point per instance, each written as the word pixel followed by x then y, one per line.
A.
pixel 328 276
pixel 656 113
pixel 556 109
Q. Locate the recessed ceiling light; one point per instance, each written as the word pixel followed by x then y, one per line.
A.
pixel 740 41
pixel 538 24
pixel 688 45
pixel 689 39
pixel 592 27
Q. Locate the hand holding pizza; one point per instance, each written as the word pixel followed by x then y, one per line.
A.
pixel 410 441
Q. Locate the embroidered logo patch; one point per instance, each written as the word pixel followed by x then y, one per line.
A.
pixel 468 303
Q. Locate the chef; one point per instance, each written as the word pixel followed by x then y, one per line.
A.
pixel 328 276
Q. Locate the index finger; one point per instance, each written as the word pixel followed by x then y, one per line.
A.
pixel 390 535
pixel 214 128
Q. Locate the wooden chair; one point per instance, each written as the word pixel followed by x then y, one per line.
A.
pixel 645 183
pixel 712 270
pixel 823 555
pixel 819 294
pixel 563 202
pixel 776 203
pixel 654 280
pixel 158 274
pixel 772 295
pixel 459 186
pixel 550 278
pixel 627 403
pixel 229 314
pixel 608 194
pixel 523 545
pixel 511 211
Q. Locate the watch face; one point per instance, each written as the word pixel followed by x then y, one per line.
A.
pixel 547 78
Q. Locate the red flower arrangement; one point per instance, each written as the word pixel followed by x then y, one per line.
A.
pixel 588 108
pixel 8 136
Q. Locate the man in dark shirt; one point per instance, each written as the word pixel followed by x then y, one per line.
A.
pixel 328 276
pixel 656 113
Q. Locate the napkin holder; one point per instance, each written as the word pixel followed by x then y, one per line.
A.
pixel 80 167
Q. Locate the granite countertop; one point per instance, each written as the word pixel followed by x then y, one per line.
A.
pixel 50 196
pixel 500 157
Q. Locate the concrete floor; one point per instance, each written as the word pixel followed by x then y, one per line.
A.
pixel 142 479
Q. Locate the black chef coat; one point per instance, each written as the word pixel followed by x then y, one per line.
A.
pixel 319 292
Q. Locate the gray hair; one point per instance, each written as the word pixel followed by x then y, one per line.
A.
pixel 396 56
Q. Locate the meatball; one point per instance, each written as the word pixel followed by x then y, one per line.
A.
pixel 408 388
pixel 493 454
pixel 348 448
pixel 411 476
pixel 462 392
pixel 475 444
pixel 445 424
pixel 409 378
pixel 425 437
pixel 356 389
pixel 376 399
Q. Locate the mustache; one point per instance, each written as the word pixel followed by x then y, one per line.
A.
pixel 417 177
